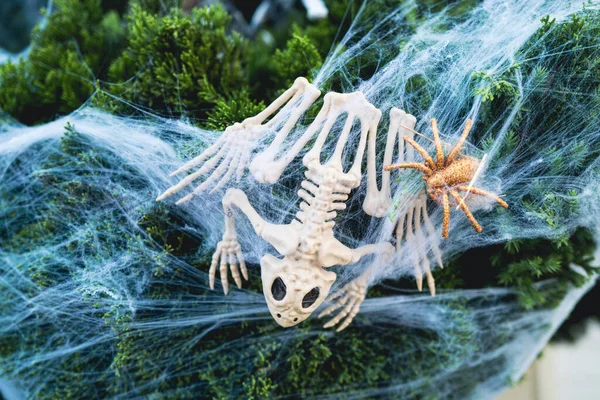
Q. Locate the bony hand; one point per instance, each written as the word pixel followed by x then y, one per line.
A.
pixel 348 299
pixel 229 253
pixel 229 155
pixel 423 266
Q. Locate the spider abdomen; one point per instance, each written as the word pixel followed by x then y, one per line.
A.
pixel 458 172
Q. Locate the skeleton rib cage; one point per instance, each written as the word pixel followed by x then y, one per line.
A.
pixel 308 242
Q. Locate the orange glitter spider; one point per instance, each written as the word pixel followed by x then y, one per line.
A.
pixel 448 175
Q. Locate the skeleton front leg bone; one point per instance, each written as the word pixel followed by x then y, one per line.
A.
pixel 228 251
pixel 232 152
pixel 410 226
pixel 377 203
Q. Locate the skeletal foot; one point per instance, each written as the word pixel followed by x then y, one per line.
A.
pixel 348 299
pixel 228 254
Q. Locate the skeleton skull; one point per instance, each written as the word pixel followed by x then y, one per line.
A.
pixel 293 289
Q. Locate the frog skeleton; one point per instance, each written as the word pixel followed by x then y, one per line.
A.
pixel 296 284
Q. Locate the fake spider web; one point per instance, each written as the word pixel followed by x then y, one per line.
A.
pixel 95 305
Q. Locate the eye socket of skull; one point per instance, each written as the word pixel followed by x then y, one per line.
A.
pixel 310 298
pixel 278 289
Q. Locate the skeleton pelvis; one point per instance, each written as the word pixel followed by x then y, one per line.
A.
pixel 293 288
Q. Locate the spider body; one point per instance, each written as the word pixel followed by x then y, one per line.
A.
pixel 459 172
pixel 446 176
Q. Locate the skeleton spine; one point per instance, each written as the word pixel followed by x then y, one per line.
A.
pixel 317 211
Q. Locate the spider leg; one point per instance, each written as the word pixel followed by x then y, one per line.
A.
pixel 446 221
pixel 463 206
pixel 428 160
pixel 434 197
pixel 414 165
pixel 438 144
pixel 482 192
pixel 460 142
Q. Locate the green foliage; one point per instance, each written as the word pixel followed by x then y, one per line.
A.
pixel 173 62
pixel 228 111
pixel 522 263
pixel 300 58
pixel 180 63
pixel 73 49
pixel 565 81
pixel 561 62
pixel 160 7
pixel 491 86
pixel 553 208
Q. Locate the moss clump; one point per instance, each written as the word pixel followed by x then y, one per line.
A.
pixel 67 55
pixel 159 57
pixel 179 63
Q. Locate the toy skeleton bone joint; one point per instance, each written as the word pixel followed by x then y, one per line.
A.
pixel 296 284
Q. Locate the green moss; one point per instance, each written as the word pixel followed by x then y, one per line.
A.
pixel 67 55
pixel 234 360
pixel 179 63
pixel 300 58
pixel 522 263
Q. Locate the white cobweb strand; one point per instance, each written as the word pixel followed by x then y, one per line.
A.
pixel 486 41
pixel 110 281
pixel 530 332
pixel 152 149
